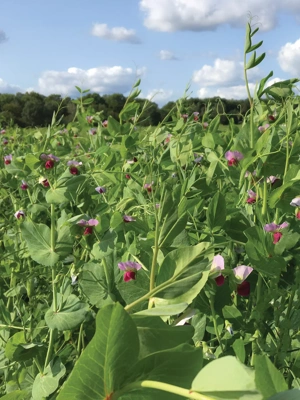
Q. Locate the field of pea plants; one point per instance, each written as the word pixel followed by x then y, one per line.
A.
pixel 153 263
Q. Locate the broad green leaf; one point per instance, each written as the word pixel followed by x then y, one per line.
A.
pixel 46 383
pixel 114 349
pixel 106 245
pixel 267 377
pixel 18 349
pixel 155 335
pixel 113 127
pixel 17 395
pixel 65 188
pixel 226 378
pixel 239 349
pixel 216 212
pixel 165 310
pixel 71 312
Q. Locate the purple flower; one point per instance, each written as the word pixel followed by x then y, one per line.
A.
pixel 233 157
pixel 241 272
pixel 7 159
pixel 47 157
pixel 19 214
pixel 100 189
pixel 105 123
pixel 88 225
pixel 295 202
pixel 128 218
pixel 73 163
pixel 93 131
pixel 263 128
pixel 251 197
pixel 5 141
pixel 24 185
pixel 130 268
pixel 272 227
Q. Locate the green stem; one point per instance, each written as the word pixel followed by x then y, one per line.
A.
pixel 213 313
pixel 80 339
pixel 106 274
pixel 50 347
pixel 187 393
pixel 155 254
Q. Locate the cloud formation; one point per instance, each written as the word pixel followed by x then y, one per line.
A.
pixel 222 73
pixel 159 96
pixel 8 88
pixel 107 80
pixel 195 15
pixel 167 55
pixel 289 58
pixel 118 33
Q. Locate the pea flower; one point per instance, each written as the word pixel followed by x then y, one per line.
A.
pixel 134 160
pixel 93 131
pixel 7 159
pixel 44 181
pixel 198 159
pixel 19 214
pixel 148 187
pixel 228 327
pixel 73 164
pixel 168 138
pixel 251 197
pixel 243 289
pixel 295 202
pixel 89 119
pixel 272 179
pixel 49 158
pixel 88 225
pixel 185 117
pixel 241 272
pixel 130 268
pixel 24 185
pixel 105 123
pixel 272 117
pixel 233 157
pixel 128 218
pixel 100 189
pixel 205 125
pixel 127 176
pixel 275 229
pixel 217 266
pixel 298 215
pixel 3 131
pixel 196 115
pixel 263 128
pixel 5 141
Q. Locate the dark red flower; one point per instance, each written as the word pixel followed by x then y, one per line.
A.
pixel 49 164
pixel 74 171
pixel 276 237
pixel 88 230
pixel 243 289
pixel 220 280
pixel 251 200
pixel 129 275
pixel 127 176
pixel 232 162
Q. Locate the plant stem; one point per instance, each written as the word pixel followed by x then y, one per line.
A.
pixel 187 393
pixel 213 313
pixel 155 253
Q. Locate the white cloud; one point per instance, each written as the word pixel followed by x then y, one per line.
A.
pixel 167 55
pixel 195 15
pixel 3 36
pixel 101 80
pixel 117 33
pixel 289 58
pixel 230 92
pixel 222 73
pixel 159 96
pixel 8 88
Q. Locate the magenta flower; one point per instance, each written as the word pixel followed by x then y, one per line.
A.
pixel 275 229
pixel 50 159
pixel 233 157
pixel 93 131
pixel 243 289
pixel 100 189
pixel 73 164
pixel 251 197
pixel 19 214
pixel 217 266
pixel 298 215
pixel 295 202
pixel 44 181
pixel 105 123
pixel 196 115
pixel 148 187
pixel 7 159
pixel 128 218
pixel 88 225
pixel 130 268
pixel 24 185
pixel 168 138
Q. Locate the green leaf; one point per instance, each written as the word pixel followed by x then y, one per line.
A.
pixel 166 310
pixel 17 395
pixel 71 312
pixel 46 383
pixel 293 394
pixel 239 349
pixel 32 161
pixel 18 349
pixel 113 127
pixel 65 188
pixel 216 212
pixel 155 335
pixel 106 245
pixel 113 349
pixel 248 38
pixel 255 46
pixel 268 379
pixel 226 378
pixel 92 282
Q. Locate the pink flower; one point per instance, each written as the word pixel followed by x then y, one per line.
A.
pixel 271 117
pixel 196 115
pixel 24 185
pixel 130 268
pixel 73 166
pixel 105 123
pixel 295 202
pixel 217 266
pixel 275 229
pixel 19 214
pixel 251 197
pixel 3 131
pixel 44 181
pixel 89 119
pixel 272 179
pixel 241 272
pixel 205 125
pixel 184 116
pixel 88 225
pixel 7 159
pixel 5 141
pixel 276 237
pixel 93 131
pixel 127 176
pixel 233 157
pixel 100 189
pixel 148 187
pixel 50 159
pixel 263 128
pixel 128 218
pixel 298 215
pixel 168 138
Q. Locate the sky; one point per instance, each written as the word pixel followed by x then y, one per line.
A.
pixel 106 45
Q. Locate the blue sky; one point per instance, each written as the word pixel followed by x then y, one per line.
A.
pixel 51 46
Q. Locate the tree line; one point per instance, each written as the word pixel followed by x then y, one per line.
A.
pixel 32 109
